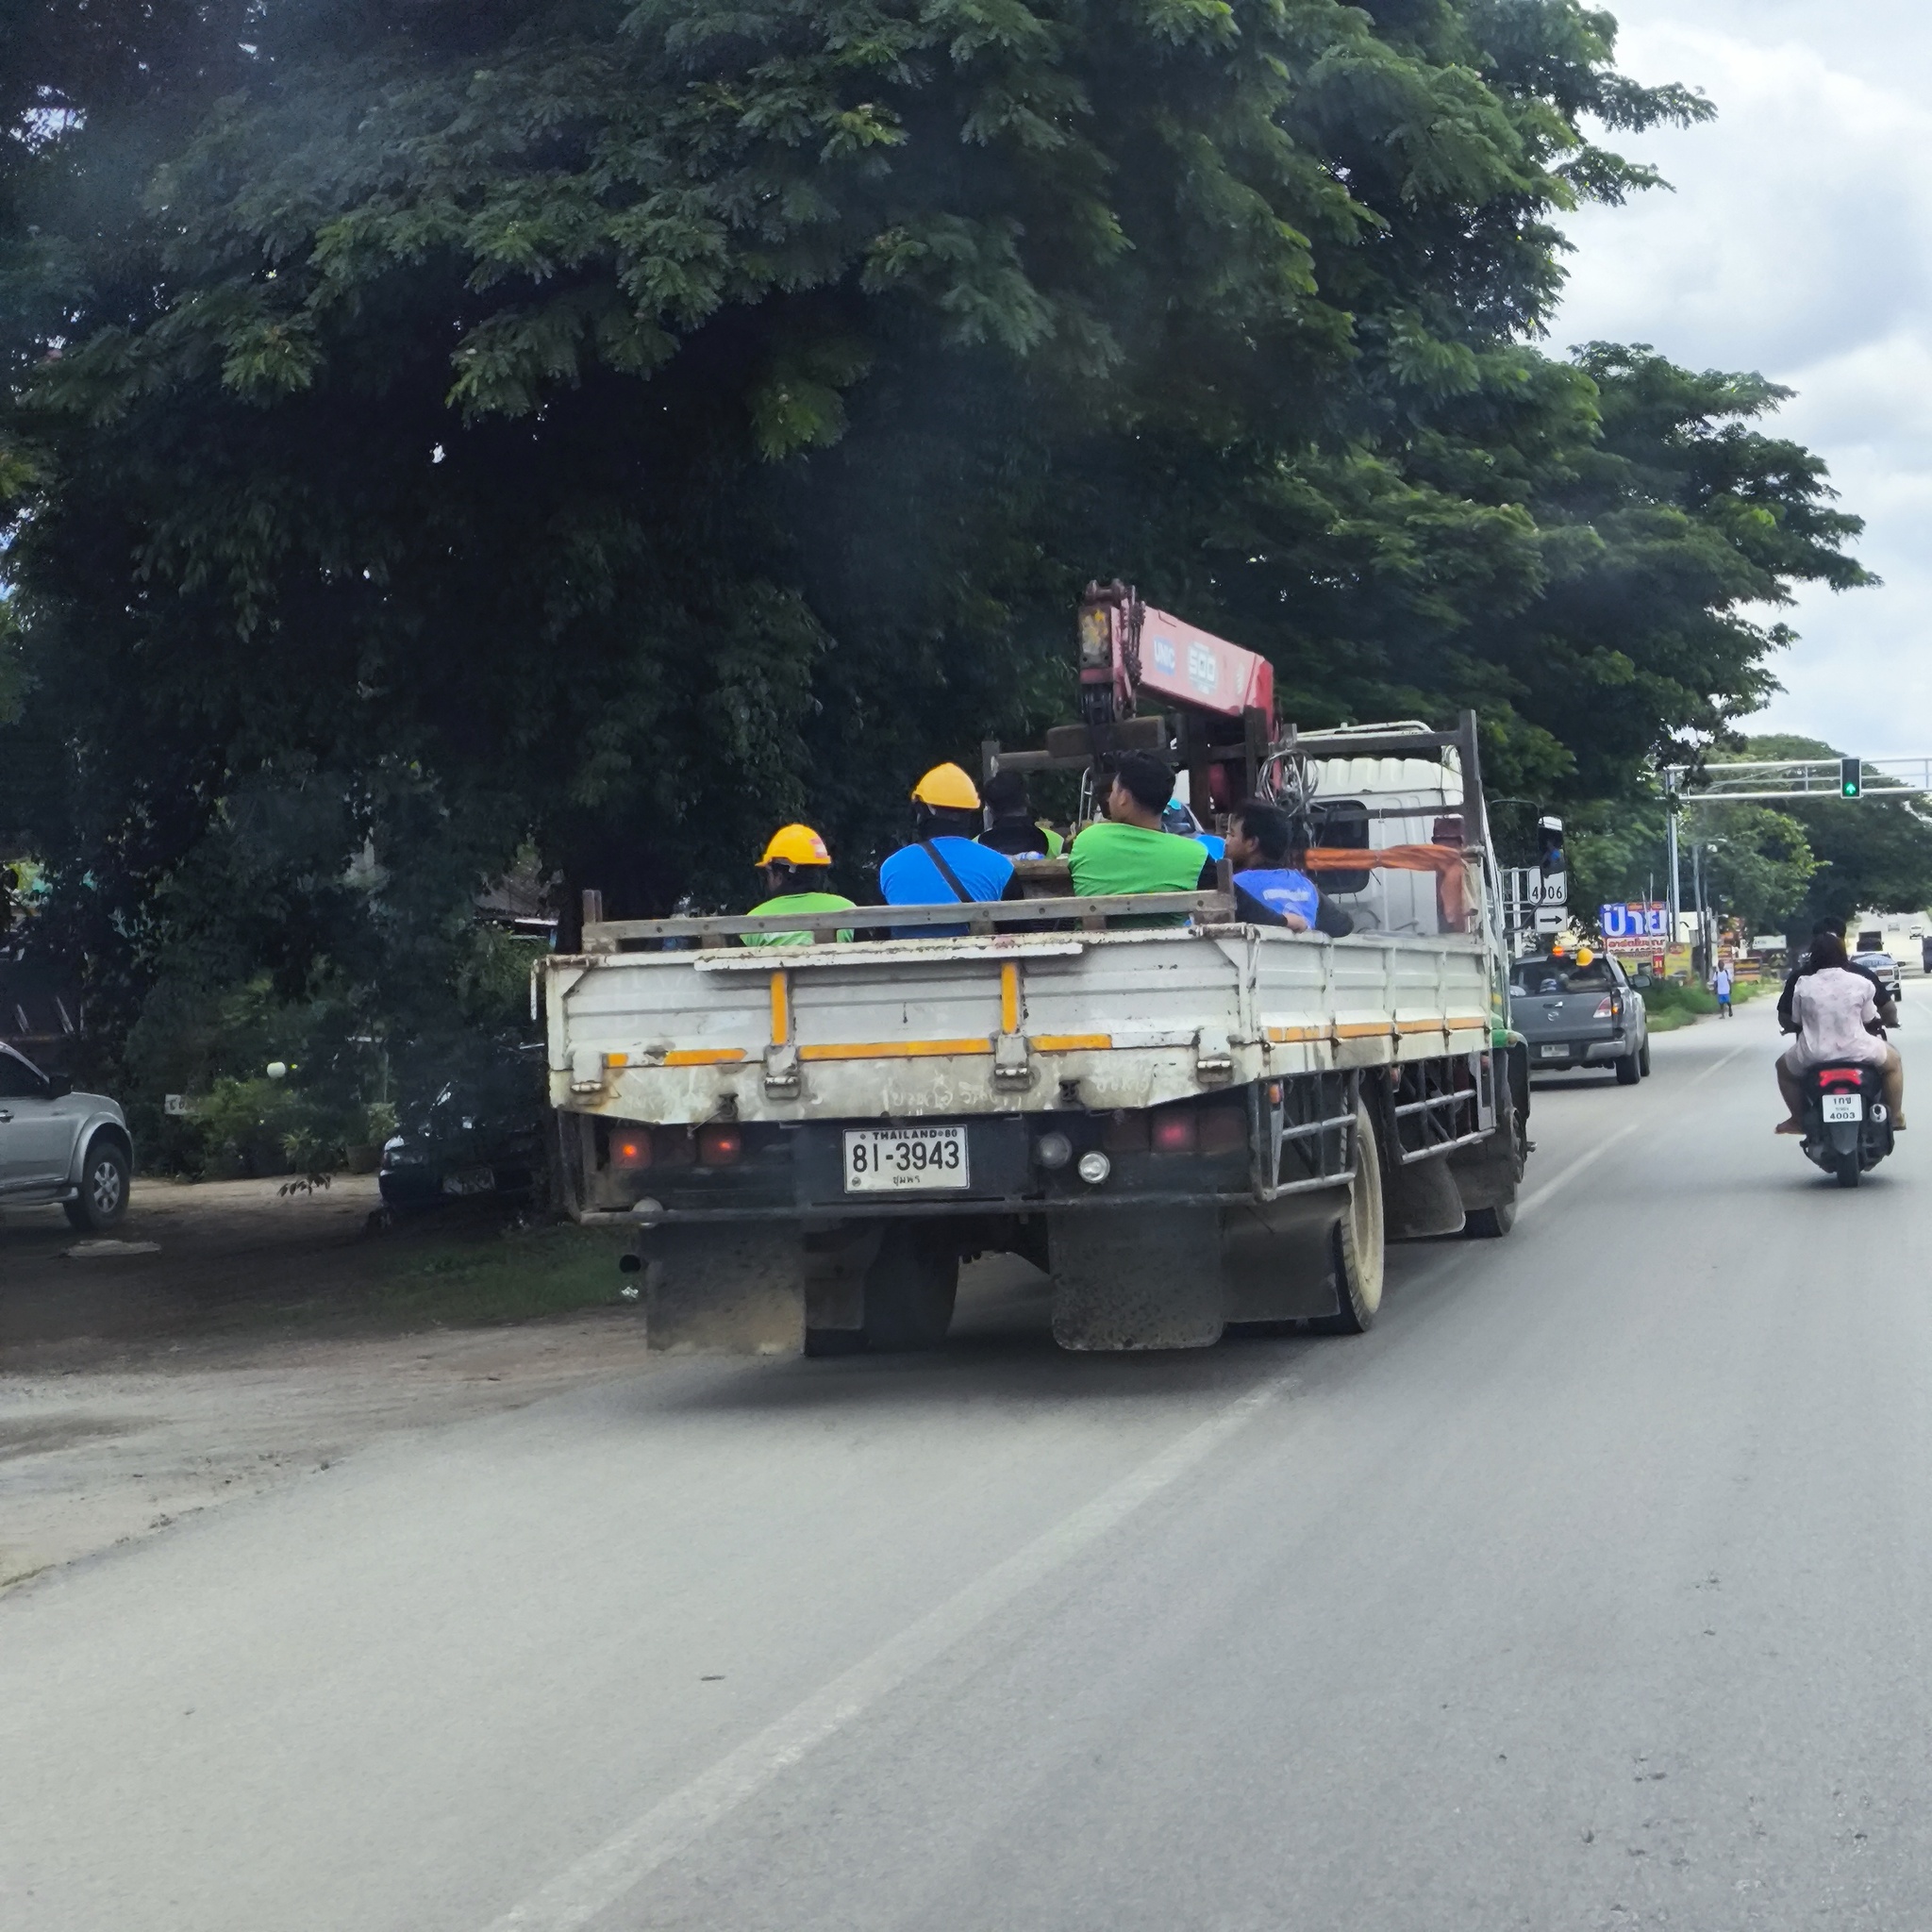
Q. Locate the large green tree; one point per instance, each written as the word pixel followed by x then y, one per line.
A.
pixel 434 429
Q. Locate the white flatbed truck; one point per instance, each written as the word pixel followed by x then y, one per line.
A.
pixel 1189 1127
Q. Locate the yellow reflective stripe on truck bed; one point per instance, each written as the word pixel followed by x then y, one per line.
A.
pixel 892 1049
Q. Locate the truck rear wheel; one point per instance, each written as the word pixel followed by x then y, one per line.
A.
pixel 911 1287
pixel 1490 1224
pixel 1629 1071
pixel 1358 1240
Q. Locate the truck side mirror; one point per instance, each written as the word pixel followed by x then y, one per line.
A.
pixel 60 1086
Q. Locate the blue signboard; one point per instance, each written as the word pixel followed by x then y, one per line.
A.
pixel 1638 919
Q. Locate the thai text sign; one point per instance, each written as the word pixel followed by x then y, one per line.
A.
pixel 1637 927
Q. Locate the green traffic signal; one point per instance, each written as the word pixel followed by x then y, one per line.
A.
pixel 1851 779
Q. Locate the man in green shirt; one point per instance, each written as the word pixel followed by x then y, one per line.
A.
pixel 1129 852
pixel 796 866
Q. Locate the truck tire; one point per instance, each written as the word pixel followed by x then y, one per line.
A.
pixel 1358 1240
pixel 1644 1057
pixel 1628 1071
pixel 1489 1224
pixel 911 1287
pixel 103 1198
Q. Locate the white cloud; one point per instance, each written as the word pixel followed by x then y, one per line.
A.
pixel 1799 243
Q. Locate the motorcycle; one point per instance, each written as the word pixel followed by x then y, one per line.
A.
pixel 1848 1124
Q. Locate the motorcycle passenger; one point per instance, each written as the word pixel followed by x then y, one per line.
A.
pixel 1887 1007
pixel 797 867
pixel 1836 1011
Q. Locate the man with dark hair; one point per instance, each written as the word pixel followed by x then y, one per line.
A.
pixel 1260 847
pixel 1127 852
pixel 1010 826
pixel 1832 928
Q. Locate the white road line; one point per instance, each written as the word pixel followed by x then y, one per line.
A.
pixel 1604 1146
pixel 601 1877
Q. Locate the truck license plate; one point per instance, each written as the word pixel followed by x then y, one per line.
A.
pixel 1554 1053
pixel 470 1180
pixel 1844 1106
pixel 891 1160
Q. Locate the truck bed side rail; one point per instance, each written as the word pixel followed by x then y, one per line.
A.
pixel 977 916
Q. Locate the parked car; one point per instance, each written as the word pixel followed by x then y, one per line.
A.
pixel 1885 967
pixel 478 1132
pixel 60 1146
pixel 1580 1011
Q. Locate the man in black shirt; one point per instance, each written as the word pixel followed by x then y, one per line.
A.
pixel 1888 1011
pixel 1010 826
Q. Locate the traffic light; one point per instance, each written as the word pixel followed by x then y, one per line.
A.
pixel 1851 779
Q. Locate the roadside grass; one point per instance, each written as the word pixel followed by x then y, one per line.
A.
pixel 516 1274
pixel 474 1274
pixel 1671 1007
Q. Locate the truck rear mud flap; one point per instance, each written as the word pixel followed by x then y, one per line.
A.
pixel 1168 1277
pixel 736 1289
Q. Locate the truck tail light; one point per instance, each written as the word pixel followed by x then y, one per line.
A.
pixel 1175 1132
pixel 1124 1131
pixel 1222 1130
pixel 631 1151
pixel 1607 1007
pixel 719 1147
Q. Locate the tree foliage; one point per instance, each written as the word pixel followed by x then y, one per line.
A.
pixel 622 426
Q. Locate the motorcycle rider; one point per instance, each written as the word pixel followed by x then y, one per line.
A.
pixel 1834 1009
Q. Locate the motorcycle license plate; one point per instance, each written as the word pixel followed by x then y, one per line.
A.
pixel 894 1160
pixel 1839 1107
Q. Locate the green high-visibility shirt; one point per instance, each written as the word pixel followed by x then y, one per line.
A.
pixel 1109 857
pixel 796 902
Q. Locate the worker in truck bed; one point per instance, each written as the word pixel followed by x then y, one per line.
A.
pixel 1260 847
pixel 1010 826
pixel 1127 852
pixel 945 861
pixel 797 868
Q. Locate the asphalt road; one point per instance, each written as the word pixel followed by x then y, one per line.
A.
pixel 1591 1589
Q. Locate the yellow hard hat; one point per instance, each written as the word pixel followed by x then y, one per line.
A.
pixel 1583 956
pixel 947 789
pixel 795 845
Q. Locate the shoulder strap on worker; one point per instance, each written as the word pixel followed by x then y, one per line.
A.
pixel 946 872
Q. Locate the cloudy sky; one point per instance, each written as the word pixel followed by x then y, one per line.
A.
pixel 1799 243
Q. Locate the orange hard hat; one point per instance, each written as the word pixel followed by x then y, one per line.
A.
pixel 947 789
pixel 795 845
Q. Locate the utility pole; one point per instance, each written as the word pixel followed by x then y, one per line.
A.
pixel 1670 835
pixel 1697 902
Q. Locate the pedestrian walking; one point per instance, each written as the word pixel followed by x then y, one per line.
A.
pixel 1720 985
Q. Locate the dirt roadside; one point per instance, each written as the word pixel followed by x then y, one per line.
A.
pixel 265 1336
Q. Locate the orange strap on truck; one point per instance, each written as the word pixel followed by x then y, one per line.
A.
pixel 1449 863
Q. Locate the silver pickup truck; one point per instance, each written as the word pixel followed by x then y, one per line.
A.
pixel 1586 1014
pixel 57 1145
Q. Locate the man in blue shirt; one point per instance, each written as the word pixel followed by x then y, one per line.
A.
pixel 945 862
pixel 1259 848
